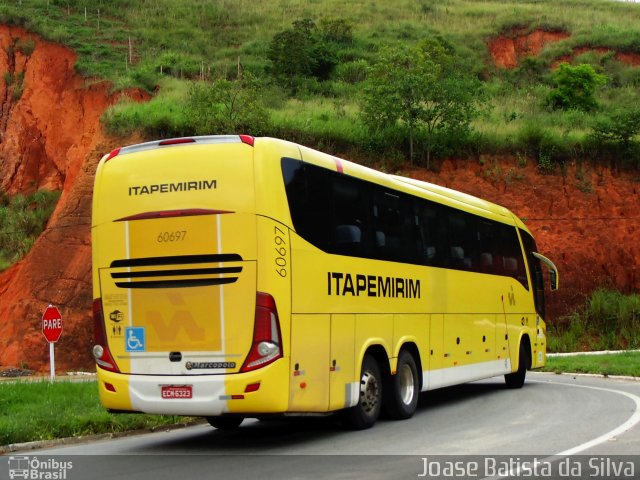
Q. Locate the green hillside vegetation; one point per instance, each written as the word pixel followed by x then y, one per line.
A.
pixel 306 67
pixel 22 220
pixel 609 320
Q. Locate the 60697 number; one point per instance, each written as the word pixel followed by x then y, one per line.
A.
pixel 280 245
pixel 176 236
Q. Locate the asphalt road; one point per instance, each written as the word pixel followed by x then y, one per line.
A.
pixel 550 415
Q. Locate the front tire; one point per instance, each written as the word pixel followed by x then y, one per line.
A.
pixel 401 396
pixel 516 379
pixel 367 411
pixel 225 423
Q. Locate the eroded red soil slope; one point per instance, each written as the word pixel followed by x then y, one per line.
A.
pixel 50 137
pixel 507 50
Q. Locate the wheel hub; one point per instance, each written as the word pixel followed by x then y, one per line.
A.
pixel 407 385
pixel 369 392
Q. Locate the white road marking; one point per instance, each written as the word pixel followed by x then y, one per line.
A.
pixel 631 422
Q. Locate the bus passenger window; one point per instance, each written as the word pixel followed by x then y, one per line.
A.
pixel 430 233
pixel 349 207
pixel 393 224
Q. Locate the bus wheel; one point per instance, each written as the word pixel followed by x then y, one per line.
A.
pixel 401 396
pixel 225 423
pixel 516 379
pixel 366 412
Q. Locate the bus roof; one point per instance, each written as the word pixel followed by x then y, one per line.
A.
pixel 455 195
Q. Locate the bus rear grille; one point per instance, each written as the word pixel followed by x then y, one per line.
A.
pixel 184 273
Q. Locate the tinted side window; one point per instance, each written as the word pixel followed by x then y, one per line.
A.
pixel 489 260
pixel 431 233
pixel 393 224
pixel 329 210
pixel 309 195
pixel 510 253
pixel 349 229
pixel 462 240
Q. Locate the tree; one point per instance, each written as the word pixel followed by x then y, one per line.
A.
pixel 575 87
pixel 226 107
pixel 421 90
pixel 303 51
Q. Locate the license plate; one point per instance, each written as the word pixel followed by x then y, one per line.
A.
pixel 176 391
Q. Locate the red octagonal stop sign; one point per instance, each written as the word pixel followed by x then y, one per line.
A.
pixel 52 324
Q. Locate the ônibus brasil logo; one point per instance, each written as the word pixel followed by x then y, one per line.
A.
pixel 36 469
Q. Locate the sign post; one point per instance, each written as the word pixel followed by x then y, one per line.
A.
pixel 52 329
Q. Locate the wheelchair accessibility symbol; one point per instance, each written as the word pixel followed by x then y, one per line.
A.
pixel 134 339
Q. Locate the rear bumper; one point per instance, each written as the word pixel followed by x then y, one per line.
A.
pixel 213 395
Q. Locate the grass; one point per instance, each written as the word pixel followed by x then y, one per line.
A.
pixel 627 363
pixel 32 411
pixel 609 320
pixel 160 117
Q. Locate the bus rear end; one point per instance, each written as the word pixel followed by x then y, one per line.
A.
pixel 180 326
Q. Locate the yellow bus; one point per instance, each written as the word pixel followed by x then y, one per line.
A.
pixel 240 277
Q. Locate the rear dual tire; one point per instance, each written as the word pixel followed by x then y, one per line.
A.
pixel 398 394
pixel 367 411
pixel 401 394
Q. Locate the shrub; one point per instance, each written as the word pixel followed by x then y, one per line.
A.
pixel 352 72
pixel 226 107
pixel 22 220
pixel 614 136
pixel 301 51
pixel 26 46
pixel 575 87
pixel 337 30
pixel 177 65
pixel 145 77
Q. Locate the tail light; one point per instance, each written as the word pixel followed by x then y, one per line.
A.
pixel 266 347
pixel 101 351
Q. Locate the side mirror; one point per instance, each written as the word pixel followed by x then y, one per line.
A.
pixel 553 270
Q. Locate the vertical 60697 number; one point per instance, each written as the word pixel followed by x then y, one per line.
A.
pixel 280 245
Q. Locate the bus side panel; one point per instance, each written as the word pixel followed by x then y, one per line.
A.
pixel 274 278
pixel 412 329
pixel 517 328
pixel 372 329
pixel 310 337
pixel 539 358
pixel 502 339
pixel 520 318
pixel 484 337
pixel 343 390
pixel 432 374
pixel 458 339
